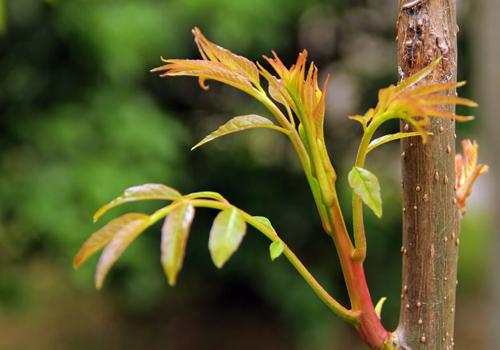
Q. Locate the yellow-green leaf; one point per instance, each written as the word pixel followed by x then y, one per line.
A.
pixel 265 221
pixel 378 307
pixel 100 238
pixel 175 232
pixel 365 184
pixel 392 137
pixel 226 235
pixel 123 231
pixel 276 249
pixel 240 123
pixel 139 193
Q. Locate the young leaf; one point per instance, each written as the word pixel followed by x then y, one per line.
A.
pixel 365 185
pixel 379 306
pixel 438 87
pixel 300 83
pixel 123 230
pixel 215 53
pixel 276 249
pixel 392 137
pixel 139 193
pixel 205 70
pixel 175 232
pixel 100 238
pixel 467 172
pixel 265 221
pixel 240 123
pixel 226 234
pixel 417 77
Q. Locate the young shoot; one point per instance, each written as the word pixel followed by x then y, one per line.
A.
pixel 295 103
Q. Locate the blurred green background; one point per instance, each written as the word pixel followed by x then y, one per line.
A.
pixel 81 118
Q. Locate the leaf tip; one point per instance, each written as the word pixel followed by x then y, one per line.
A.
pixel 76 262
pixel 99 282
pixel 171 278
pixel 219 263
pixel 196 146
pixel 100 212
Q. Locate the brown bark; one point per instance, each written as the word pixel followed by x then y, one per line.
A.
pixel 427 30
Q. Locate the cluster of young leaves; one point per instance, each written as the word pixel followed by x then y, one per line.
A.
pixel 296 88
pixel 414 104
pixel 467 172
pixel 296 102
pixel 413 101
pixel 226 234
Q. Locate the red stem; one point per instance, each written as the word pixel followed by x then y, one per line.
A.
pixel 370 327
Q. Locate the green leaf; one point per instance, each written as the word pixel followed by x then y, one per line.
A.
pixel 226 234
pixel 175 232
pixel 365 184
pixel 100 238
pixel 276 249
pixel 378 307
pixel 139 193
pixel 392 137
pixel 265 221
pixel 122 231
pixel 240 123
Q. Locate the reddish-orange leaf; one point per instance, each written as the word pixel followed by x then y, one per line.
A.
pixel 100 238
pixel 125 229
pixel 204 70
pixel 467 171
pixel 232 61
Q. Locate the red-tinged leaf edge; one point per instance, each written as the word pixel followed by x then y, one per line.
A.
pixel 139 193
pixel 102 237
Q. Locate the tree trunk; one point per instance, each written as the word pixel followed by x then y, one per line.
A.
pixel 427 30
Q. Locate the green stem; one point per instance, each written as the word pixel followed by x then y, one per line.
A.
pixel 359 252
pixel 321 177
pixel 303 157
pixel 348 315
pixel 370 327
pixel 276 112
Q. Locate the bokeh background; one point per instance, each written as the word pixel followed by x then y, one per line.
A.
pixel 81 118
